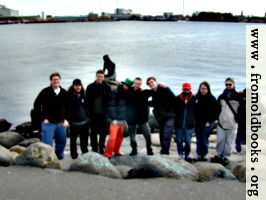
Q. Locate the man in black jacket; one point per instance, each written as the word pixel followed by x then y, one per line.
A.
pixel 138 112
pixel 97 94
pixel 79 122
pixel 52 106
pixel 163 101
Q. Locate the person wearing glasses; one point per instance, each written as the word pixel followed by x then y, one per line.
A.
pixel 184 121
pixel 163 103
pixel 52 105
pixel 230 103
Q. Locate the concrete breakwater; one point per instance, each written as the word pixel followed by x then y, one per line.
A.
pixel 16 150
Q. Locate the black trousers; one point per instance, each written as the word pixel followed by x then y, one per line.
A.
pixel 98 125
pixel 81 130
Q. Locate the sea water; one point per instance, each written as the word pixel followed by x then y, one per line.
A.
pixel 173 52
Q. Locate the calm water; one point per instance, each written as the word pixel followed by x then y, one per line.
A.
pixel 174 52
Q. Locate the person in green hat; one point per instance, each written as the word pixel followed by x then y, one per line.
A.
pixel 117 114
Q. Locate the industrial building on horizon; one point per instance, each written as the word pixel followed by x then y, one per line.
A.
pixel 7 12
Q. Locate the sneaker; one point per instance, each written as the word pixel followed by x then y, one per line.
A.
pixel 236 152
pixel 119 154
pixel 225 161
pixel 150 153
pixel 190 160
pixel 133 153
pixel 216 159
pixel 202 159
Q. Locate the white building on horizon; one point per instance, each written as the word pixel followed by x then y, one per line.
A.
pixel 6 12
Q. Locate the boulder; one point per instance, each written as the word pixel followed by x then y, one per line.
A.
pixel 5 157
pixel 94 163
pixel 153 123
pixel 123 170
pixel 155 138
pixel 9 139
pixel 213 138
pixel 28 142
pixel 4 125
pixel 18 149
pixel 162 166
pixel 14 156
pixel 123 160
pixel 39 155
pixel 209 171
pixel 239 171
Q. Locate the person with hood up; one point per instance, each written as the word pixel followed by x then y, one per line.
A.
pixel 184 121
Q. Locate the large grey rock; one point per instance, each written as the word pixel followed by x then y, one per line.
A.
pixel 4 125
pixel 5 157
pixel 18 149
pixel 28 142
pixel 123 170
pixel 162 166
pixel 239 171
pixel 94 163
pixel 123 160
pixel 39 155
pixel 153 123
pixel 210 171
pixel 9 139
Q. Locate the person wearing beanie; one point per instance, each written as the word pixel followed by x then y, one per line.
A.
pixel 79 122
pixel 184 121
pixel 97 94
pixel 52 105
pixel 117 114
pixel 230 103
pixel 163 103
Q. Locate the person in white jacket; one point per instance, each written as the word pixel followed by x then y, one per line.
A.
pixel 230 103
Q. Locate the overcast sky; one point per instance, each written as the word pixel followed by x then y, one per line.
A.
pixel 153 7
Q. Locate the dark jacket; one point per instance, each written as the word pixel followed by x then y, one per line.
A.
pixel 53 107
pixel 185 112
pixel 117 104
pixel 226 119
pixel 91 93
pixel 163 101
pixel 138 110
pixel 206 109
pixel 77 108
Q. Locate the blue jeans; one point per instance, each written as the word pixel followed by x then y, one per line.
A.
pixel 202 135
pixel 55 131
pixel 166 131
pixel 183 135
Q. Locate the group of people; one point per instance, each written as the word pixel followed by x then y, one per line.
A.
pixel 100 110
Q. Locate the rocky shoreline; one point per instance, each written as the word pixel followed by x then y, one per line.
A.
pixel 16 150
